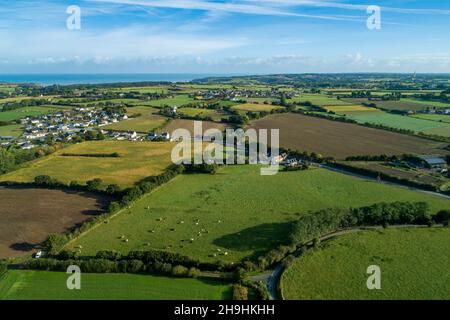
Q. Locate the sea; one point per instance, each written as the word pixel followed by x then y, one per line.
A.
pixel 67 79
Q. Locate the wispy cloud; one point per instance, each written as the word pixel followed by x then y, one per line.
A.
pixel 234 7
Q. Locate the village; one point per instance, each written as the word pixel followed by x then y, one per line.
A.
pixel 71 126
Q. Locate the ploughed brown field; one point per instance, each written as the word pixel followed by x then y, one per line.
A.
pixel 340 140
pixel 28 216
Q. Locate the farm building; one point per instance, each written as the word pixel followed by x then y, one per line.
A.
pixel 432 162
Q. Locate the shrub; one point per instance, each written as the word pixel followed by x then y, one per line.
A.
pixel 240 292
pixel 180 271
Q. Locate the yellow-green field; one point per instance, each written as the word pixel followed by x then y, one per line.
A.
pixel 144 120
pixel 349 108
pixel 255 107
pixel 137 160
pixel 14 130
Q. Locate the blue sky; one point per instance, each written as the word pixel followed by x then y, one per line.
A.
pixel 224 36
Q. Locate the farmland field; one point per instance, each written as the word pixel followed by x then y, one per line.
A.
pixel 25 112
pixel 433 117
pixel 340 140
pixel 201 112
pixel 400 122
pixel 237 211
pixel 42 285
pixel 28 216
pixel 319 99
pixel 145 120
pixel 255 107
pixel 403 104
pixel 13 130
pixel 189 125
pixel 137 160
pixel 177 100
pixel 349 108
pixel 413 262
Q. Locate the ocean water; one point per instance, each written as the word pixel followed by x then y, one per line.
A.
pixel 66 79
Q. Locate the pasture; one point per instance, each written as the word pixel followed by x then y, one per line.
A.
pixel 43 285
pixel 142 119
pixel 26 112
pixel 433 117
pixel 137 160
pixel 28 216
pixel 413 262
pixel 400 122
pixel 348 108
pixel 340 140
pixel 236 213
pixel 189 125
pixel 13 130
pixel 319 99
pixel 255 107
pixel 177 100
pixel 202 113
pixel 402 105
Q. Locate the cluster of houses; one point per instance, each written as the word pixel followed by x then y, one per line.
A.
pixel 238 94
pixel 61 126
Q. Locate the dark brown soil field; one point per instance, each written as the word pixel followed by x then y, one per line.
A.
pixel 28 216
pixel 340 140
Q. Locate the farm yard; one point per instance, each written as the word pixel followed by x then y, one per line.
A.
pixel 340 140
pixel 137 160
pixel 236 213
pixel 413 262
pixel 42 285
pixel 28 216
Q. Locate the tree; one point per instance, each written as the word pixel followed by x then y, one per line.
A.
pixel 94 185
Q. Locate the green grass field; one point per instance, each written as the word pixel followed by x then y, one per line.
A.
pixel 42 285
pixel 254 107
pixel 177 100
pixel 137 160
pixel 14 130
pixel 400 122
pixel 318 99
pixel 192 112
pixel 433 117
pixel 238 211
pixel 144 121
pixel 436 104
pixel 26 112
pixel 414 264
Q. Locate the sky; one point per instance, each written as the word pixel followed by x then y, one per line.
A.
pixel 224 36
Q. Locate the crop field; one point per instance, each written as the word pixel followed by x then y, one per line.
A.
pixel 43 285
pixel 433 117
pixel 260 100
pixel 137 160
pixel 320 99
pixel 144 120
pixel 28 216
pixel 413 262
pixel 340 140
pixel 400 122
pixel 349 108
pixel 255 107
pixel 236 213
pixel 189 125
pixel 13 130
pixel 25 112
